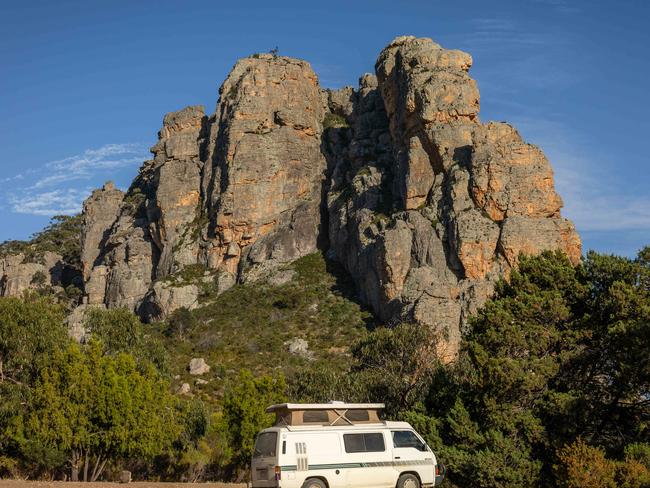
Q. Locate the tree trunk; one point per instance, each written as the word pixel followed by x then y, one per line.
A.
pixel 99 467
pixel 86 463
pixel 74 466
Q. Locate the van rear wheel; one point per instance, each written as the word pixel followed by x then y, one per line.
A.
pixel 408 481
pixel 314 483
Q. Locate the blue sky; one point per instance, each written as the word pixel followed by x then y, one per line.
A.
pixel 84 86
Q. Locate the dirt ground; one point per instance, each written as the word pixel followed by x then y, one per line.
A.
pixel 134 484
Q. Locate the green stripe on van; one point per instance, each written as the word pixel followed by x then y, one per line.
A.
pixel 314 467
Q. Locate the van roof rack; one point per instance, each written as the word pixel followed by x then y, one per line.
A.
pixel 326 414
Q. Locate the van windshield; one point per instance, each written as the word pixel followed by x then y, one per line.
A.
pixel 266 444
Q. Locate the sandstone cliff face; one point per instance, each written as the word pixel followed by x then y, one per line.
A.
pixel 264 178
pixel 146 233
pixel 427 232
pixel 399 180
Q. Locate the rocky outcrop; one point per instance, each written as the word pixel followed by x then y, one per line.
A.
pixel 19 273
pixel 238 193
pixel 148 233
pixel 398 180
pixel 263 182
pixel 428 220
pixel 100 211
pixel 174 208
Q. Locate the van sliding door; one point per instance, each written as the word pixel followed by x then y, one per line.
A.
pixel 367 461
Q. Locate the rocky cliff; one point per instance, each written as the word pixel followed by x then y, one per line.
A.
pixel 398 180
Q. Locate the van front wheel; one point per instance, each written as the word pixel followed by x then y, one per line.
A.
pixel 314 483
pixel 408 481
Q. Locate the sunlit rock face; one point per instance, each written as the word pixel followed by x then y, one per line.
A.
pixel 265 169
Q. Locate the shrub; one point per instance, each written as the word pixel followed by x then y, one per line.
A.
pixel 180 322
pixel 334 121
pixel 584 466
pixel 244 415
pixel 632 474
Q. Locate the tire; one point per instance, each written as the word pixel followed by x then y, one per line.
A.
pixel 314 483
pixel 408 481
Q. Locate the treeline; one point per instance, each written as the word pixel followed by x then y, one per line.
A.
pixel 551 388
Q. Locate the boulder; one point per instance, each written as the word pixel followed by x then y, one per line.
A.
pixel 198 366
pixel 299 347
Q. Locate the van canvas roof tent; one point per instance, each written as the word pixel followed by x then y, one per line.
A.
pixel 332 413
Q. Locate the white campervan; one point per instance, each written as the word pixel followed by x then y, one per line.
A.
pixel 337 444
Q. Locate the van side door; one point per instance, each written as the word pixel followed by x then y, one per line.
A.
pixel 367 460
pixel 410 453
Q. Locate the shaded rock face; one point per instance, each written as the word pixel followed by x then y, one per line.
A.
pixel 428 218
pixel 99 213
pixel 423 204
pixel 176 180
pixel 143 235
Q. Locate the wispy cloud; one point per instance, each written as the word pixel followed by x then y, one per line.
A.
pixel 490 33
pixel 65 201
pixel 85 165
pixel 17 177
pixel 59 187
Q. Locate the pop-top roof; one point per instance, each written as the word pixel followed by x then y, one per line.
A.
pixel 332 413
pixel 325 406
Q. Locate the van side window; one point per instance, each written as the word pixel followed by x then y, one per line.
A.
pixel 357 415
pixel 315 417
pixel 406 438
pixel 373 442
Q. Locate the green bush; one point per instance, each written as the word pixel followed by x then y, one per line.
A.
pixel 99 408
pixel 334 121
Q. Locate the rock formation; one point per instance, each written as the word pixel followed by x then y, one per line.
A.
pixel 398 180
pixel 265 171
pixel 19 273
pixel 427 206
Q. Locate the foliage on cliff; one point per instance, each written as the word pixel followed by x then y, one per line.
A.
pixel 251 326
